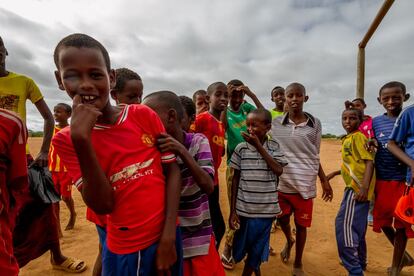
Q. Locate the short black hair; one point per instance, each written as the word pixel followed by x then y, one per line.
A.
pixel 392 84
pixel 67 107
pixel 349 106
pixel 79 40
pixel 235 82
pixel 296 84
pixel 122 76
pixel 277 88
pixel 211 87
pixel 168 100
pixel 199 92
pixel 264 112
pixel 361 100
pixel 188 105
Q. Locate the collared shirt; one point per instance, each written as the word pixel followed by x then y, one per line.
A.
pixel 301 144
pixel 257 196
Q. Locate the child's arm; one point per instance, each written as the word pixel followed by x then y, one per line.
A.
pixel 333 174
pixel 401 155
pixel 234 221
pixel 275 166
pixel 223 118
pixel 366 180
pixel 253 96
pixel 327 194
pixel 96 189
pixel 167 143
pixel 166 252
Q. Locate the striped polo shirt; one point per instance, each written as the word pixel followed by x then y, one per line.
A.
pixel 300 143
pixel 194 214
pixel 257 193
pixel 387 166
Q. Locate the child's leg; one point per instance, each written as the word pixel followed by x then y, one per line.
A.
pixel 301 234
pixel 285 225
pixel 400 243
pixel 217 220
pixel 362 251
pixel 97 268
pixel 350 227
pixel 226 257
pixel 71 206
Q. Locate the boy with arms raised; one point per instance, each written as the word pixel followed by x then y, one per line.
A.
pixel 110 152
pixel 234 121
pixel 63 183
pixel 299 136
pixel 197 173
pixel 257 164
pixel 209 124
pixel 278 97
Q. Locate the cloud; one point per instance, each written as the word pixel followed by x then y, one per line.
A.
pixel 186 45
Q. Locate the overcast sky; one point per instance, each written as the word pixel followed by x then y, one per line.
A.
pixel 184 46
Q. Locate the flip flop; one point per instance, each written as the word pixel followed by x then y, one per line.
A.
pixel 71 265
pixel 228 263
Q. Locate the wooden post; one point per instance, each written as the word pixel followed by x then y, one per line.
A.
pixel 361 46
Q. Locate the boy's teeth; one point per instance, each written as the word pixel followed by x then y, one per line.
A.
pixel 88 98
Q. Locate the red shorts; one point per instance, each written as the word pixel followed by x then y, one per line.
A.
pixel 63 183
pixel 387 194
pixel 300 207
pixel 204 265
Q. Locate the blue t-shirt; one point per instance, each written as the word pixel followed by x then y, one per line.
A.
pixel 403 132
pixel 387 167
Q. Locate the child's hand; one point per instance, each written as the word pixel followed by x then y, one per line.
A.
pixel 330 176
pixel 371 145
pixel 166 143
pixel 166 256
pixel 327 193
pixel 251 139
pixel 234 221
pixel 362 195
pixel 84 117
pixel 246 90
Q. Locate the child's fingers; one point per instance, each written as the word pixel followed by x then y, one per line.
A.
pixel 77 100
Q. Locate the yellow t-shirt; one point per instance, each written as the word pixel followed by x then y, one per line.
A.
pixel 354 155
pixel 15 89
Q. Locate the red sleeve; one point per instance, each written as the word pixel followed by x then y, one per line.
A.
pixel 62 144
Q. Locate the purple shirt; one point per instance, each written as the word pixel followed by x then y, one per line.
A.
pixel 194 214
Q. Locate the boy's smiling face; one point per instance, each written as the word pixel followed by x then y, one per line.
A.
pixel 278 97
pixel 236 98
pixel 83 72
pixel 219 99
pixel 392 99
pixel 256 124
pixel 60 114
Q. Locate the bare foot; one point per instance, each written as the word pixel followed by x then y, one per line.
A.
pixel 298 271
pixel 285 254
pixel 71 223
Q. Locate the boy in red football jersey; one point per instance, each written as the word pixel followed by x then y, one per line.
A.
pixel 210 125
pixel 13 184
pixel 110 151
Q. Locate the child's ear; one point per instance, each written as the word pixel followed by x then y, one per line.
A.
pixel 406 97
pixel 379 100
pixel 172 116
pixel 59 80
pixel 113 95
pixel 112 78
pixel 306 98
pixel 208 99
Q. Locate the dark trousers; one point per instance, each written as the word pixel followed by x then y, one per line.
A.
pixel 217 220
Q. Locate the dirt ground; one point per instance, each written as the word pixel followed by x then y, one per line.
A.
pixel 320 256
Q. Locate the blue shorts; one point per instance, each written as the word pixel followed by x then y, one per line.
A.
pixel 140 263
pixel 252 239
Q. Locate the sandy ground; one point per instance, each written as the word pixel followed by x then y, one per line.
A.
pixel 320 256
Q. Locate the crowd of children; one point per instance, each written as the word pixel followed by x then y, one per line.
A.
pixel 147 169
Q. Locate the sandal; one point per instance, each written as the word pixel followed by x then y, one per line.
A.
pixel 71 265
pixel 228 263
